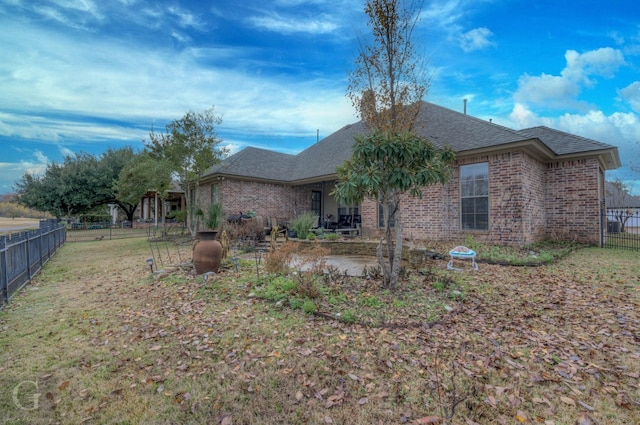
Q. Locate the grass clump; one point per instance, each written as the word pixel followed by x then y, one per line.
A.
pixel 303 224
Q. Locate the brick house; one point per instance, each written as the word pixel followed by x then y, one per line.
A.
pixel 509 187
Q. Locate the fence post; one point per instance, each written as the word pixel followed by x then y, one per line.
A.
pixel 603 222
pixel 29 255
pixel 4 274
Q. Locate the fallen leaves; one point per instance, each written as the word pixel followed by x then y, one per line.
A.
pixel 524 346
pixel 428 420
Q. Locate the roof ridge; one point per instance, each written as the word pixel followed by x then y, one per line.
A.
pixel 473 117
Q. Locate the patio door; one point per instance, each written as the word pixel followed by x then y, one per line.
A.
pixel 316 204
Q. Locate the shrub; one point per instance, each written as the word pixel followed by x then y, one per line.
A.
pixel 438 286
pixel 245 229
pixel 279 288
pixel 213 216
pixel 313 259
pixel 348 316
pixel 296 303
pixel 309 307
pixel 371 301
pixel 331 236
pixel 307 287
pixel 304 223
pixel 278 261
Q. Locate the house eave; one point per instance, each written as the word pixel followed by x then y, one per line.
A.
pixel 608 158
pixel 532 147
pixel 315 179
pixel 217 177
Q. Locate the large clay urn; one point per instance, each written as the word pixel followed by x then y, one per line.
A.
pixel 207 252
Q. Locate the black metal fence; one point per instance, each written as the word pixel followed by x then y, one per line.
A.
pixel 78 232
pixel 23 254
pixel 622 229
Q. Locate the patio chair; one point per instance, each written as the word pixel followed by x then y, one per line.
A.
pixel 278 230
pixel 344 222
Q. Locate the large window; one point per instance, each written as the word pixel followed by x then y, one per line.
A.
pixel 474 196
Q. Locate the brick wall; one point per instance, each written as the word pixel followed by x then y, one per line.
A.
pixel 573 198
pixel 529 201
pixel 266 199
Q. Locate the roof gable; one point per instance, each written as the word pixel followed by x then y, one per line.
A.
pixel 562 143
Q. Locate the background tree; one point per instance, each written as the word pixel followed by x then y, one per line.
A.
pixel 386 88
pixel 77 185
pixel 49 192
pixel 621 201
pixel 389 79
pixel 110 165
pixel 141 175
pixel 190 147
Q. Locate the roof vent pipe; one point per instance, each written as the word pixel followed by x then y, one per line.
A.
pixel 317 135
pixel 465 106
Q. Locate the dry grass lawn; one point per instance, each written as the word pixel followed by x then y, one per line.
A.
pixel 8 225
pixel 96 340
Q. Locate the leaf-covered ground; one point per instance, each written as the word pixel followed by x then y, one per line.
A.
pixel 95 339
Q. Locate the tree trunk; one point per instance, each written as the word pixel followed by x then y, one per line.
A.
pixel 128 209
pixel 397 252
pixel 385 263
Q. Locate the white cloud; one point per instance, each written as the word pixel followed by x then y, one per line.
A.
pixel 476 39
pixel 443 13
pixel 631 94
pixel 618 129
pixel 93 77
pixel 36 165
pixel 562 90
pixel 289 25
pixel 65 151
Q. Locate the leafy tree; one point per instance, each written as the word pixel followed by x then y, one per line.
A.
pixel 386 88
pixel 50 192
pixel 110 164
pixel 190 147
pixel 141 175
pixel 384 168
pixel 77 185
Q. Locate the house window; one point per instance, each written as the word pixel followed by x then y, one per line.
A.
pixel 392 221
pixel 348 210
pixel 474 196
pixel 215 194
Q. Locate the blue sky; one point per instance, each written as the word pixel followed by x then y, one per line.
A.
pixel 85 75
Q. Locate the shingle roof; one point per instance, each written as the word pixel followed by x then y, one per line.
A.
pixel 562 143
pixel 440 125
pixel 462 132
pixel 256 163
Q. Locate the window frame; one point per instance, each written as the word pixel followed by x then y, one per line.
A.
pixel 474 197
pixel 392 221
